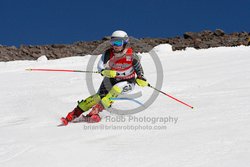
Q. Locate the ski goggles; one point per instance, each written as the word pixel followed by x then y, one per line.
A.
pixel 118 42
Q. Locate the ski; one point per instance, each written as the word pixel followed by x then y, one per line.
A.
pixel 88 119
pixel 80 119
pixel 64 122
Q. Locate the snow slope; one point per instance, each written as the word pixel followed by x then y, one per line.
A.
pixel 215 133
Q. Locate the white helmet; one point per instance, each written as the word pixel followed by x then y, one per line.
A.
pixel 119 34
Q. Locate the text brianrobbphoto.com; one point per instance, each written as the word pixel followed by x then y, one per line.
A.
pixel 128 123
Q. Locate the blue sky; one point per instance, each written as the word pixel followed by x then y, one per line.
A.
pixel 34 22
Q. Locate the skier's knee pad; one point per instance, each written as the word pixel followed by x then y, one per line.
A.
pixel 114 92
pixel 86 104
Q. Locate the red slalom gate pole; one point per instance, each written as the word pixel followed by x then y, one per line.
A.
pixel 171 97
pixel 59 70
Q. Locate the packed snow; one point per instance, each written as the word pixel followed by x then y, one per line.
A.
pixel 215 133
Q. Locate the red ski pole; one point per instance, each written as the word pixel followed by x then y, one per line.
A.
pixel 170 96
pixel 59 70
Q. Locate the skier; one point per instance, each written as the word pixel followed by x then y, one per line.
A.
pixel 121 69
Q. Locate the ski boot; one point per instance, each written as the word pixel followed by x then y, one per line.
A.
pixel 94 113
pixel 71 116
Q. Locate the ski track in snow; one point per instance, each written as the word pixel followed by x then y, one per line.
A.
pixel 215 133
